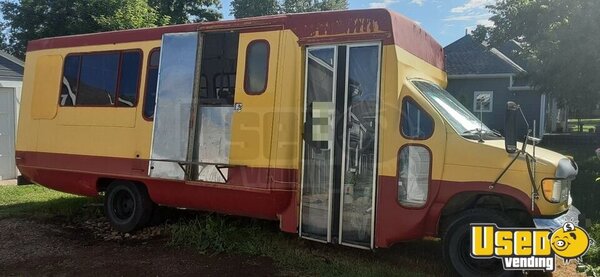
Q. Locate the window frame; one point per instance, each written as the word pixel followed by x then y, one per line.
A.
pixel 268 61
pixel 118 82
pixel 402 117
pixel 429 180
pixel 148 67
pixel 477 93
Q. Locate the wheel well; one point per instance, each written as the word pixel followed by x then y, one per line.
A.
pixel 103 183
pixel 470 200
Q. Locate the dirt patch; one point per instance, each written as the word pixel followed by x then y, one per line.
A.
pixel 33 248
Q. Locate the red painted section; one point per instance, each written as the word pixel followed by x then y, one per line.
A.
pixel 320 27
pixel 395 223
pixel 254 192
pixel 245 194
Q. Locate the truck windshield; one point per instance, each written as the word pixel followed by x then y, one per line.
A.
pixel 463 121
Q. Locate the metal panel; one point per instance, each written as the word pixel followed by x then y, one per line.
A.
pixel 7 134
pixel 174 97
pixel 213 143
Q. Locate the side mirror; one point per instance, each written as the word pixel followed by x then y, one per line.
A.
pixel 510 127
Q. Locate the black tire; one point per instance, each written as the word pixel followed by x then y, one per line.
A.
pixel 457 244
pixel 127 206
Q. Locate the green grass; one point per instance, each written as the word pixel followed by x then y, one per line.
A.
pixel 39 202
pixel 214 234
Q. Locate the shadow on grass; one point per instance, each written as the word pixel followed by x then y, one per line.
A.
pixel 67 207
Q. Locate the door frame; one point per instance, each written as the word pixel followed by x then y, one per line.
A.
pixel 349 46
pixel 376 150
pixel 332 160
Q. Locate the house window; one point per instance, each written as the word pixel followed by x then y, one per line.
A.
pixel 101 79
pixel 483 101
pixel 151 84
pixel 257 67
pixel 414 163
pixel 415 123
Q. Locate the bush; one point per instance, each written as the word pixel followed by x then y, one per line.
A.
pixel 585 189
pixel 592 258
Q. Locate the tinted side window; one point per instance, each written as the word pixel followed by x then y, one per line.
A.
pixel 257 67
pixel 129 79
pixel 101 79
pixel 98 80
pixel 151 83
pixel 68 93
pixel 415 123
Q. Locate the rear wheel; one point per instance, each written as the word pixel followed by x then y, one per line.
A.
pixel 457 244
pixel 127 206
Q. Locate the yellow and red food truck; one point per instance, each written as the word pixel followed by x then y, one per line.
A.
pixel 335 124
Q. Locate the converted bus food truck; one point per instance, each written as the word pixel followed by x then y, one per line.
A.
pixel 335 124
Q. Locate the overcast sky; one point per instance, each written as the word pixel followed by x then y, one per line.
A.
pixel 446 20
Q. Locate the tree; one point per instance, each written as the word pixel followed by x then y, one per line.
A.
pixel 480 34
pixel 186 11
pixel 131 14
pixel 251 8
pixel 28 20
pixel 299 6
pixel 560 39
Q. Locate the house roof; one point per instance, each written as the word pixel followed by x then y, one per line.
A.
pixel 469 57
pixel 11 68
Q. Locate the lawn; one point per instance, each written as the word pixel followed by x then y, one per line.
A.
pixel 42 203
pixel 215 234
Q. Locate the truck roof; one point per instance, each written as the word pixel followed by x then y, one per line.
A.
pixel 311 28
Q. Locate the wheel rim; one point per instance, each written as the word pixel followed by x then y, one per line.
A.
pixel 487 266
pixel 123 205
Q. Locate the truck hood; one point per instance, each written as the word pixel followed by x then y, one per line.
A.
pixel 548 160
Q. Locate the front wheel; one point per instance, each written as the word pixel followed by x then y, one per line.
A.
pixel 127 206
pixel 457 244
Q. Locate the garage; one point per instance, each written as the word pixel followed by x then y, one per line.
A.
pixel 11 81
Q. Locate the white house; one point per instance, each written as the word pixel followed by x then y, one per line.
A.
pixel 11 82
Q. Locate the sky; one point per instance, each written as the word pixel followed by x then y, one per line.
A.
pixel 445 20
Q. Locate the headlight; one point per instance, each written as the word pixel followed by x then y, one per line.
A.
pixel 556 190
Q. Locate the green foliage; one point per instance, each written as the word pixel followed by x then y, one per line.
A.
pixel 300 6
pixel 186 11
pixel 480 34
pixel 592 257
pixel 561 39
pixel 252 8
pixel 28 20
pixel 131 14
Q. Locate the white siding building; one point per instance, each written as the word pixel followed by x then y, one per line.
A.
pixel 11 82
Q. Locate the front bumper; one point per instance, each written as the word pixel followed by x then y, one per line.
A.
pixel 573 216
